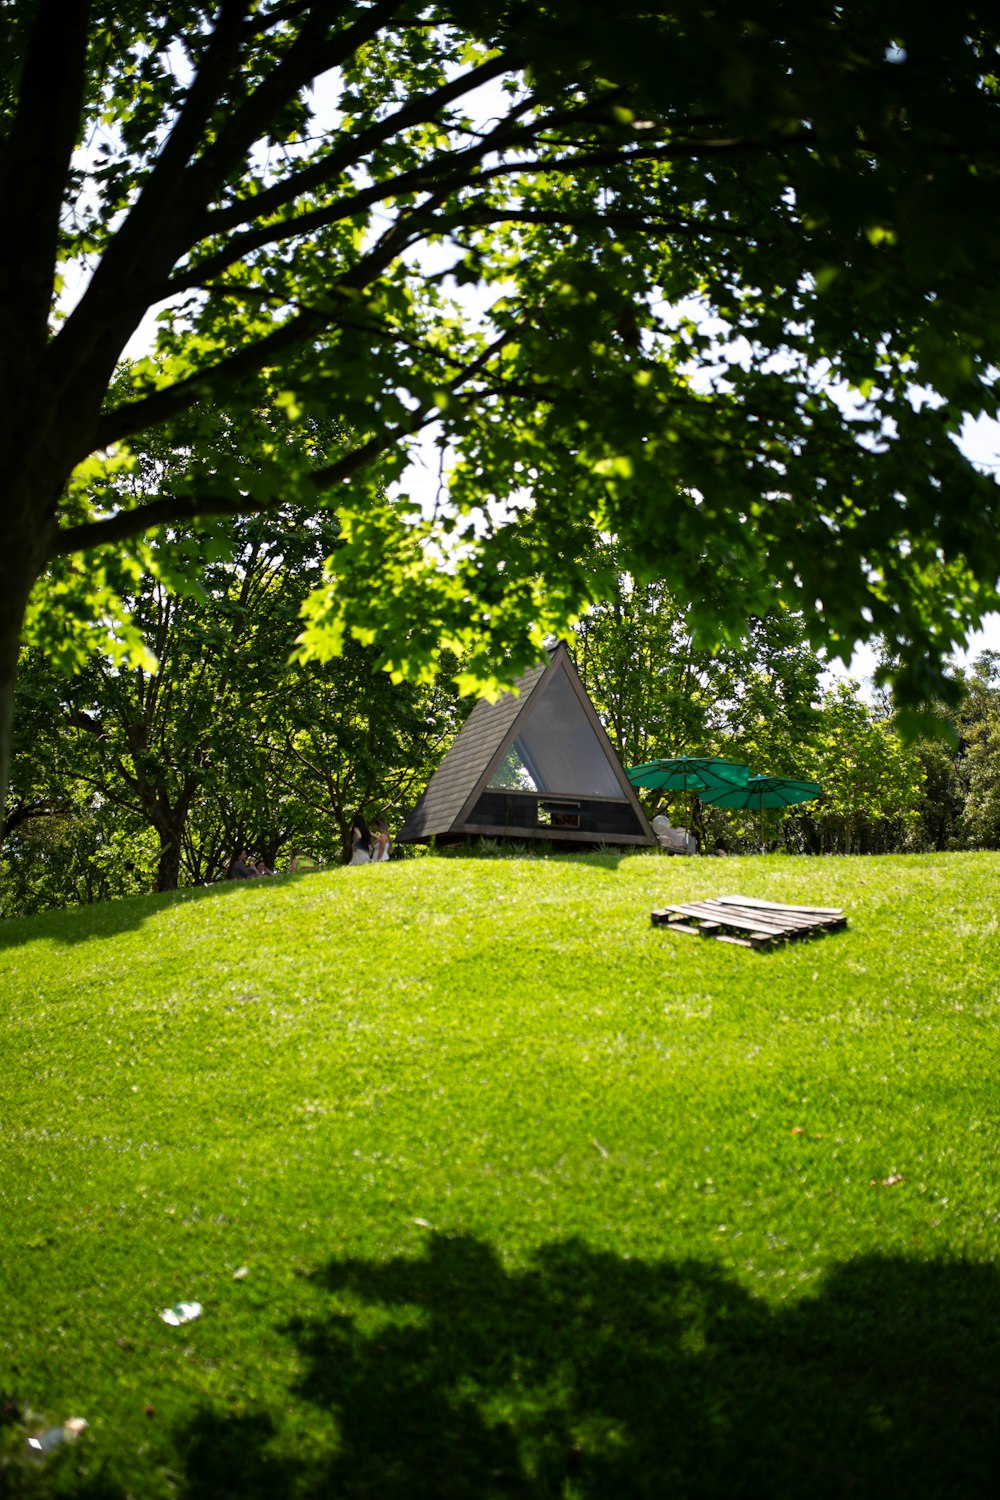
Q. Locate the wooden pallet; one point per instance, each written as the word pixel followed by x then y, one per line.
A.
pixel 747 921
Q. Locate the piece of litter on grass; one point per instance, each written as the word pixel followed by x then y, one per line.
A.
pixel 52 1437
pixel 46 1441
pixel 422 1223
pixel 241 1272
pixel 600 1148
pixel 886 1181
pixel 182 1312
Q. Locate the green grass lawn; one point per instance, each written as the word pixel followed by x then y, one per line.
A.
pixel 531 1198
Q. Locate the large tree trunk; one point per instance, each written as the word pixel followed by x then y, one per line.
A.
pixel 168 866
pixel 16 578
pixel 170 820
pixel 10 639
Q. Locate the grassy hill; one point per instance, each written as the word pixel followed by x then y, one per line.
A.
pixel 487 1187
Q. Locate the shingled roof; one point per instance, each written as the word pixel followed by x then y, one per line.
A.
pixel 550 717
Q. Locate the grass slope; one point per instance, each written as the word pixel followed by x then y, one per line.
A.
pixel 532 1198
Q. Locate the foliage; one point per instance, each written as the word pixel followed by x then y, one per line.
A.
pixel 61 845
pixel 760 701
pixel 940 810
pixel 356 740
pixel 659 693
pixel 519 1184
pixel 636 658
pixel 707 276
pixel 871 780
pixel 79 853
pixel 224 745
pixel 212 740
pixel 959 807
pixel 978 758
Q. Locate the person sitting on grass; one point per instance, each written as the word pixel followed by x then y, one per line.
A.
pixel 240 868
pixel 361 841
pixel 383 841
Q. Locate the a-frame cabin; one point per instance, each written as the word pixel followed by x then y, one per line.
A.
pixel 533 765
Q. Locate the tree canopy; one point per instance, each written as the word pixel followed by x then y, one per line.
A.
pixel 718 281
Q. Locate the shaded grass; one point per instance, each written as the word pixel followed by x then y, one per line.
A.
pixel 533 1198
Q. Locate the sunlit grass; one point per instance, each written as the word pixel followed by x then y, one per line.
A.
pixel 498 1156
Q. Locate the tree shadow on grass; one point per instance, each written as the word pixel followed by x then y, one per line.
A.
pixel 586 1374
pixel 605 858
pixel 79 924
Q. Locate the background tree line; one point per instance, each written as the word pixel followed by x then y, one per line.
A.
pixel 129 778
pixel 660 688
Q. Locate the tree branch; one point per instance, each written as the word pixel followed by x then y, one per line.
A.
pixel 174 509
pixel 311 54
pixel 35 160
pixel 637 223
pixel 416 112
pixel 22 812
pixel 164 223
pixel 266 21
pixel 416 180
pixel 459 174
pixel 136 415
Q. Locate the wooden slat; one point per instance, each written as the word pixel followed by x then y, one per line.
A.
pixel 703 910
pixel 777 918
pixel 785 921
pixel 823 911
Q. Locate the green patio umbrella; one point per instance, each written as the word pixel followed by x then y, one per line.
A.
pixel 676 773
pixel 760 792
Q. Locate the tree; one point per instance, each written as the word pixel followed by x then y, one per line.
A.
pixel 352 739
pixel 158 738
pixel 978 758
pixel 660 694
pixel 719 248
pixel 61 844
pixel 128 779
pixel 872 782
pixel 219 742
pixel 637 661
pixel 765 694
pixel 943 800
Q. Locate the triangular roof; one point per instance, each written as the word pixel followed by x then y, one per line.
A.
pixel 553 728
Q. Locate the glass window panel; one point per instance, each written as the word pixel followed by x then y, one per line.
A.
pixel 560 750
